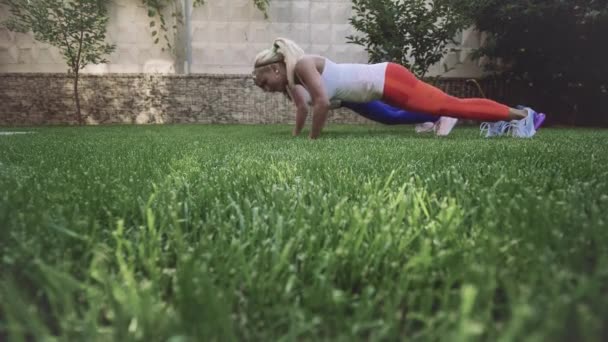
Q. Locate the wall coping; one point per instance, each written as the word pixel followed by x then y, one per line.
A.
pixel 167 75
pixel 123 75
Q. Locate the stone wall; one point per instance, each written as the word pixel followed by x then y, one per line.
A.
pixel 37 98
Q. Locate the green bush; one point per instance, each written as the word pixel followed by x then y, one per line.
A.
pixel 413 33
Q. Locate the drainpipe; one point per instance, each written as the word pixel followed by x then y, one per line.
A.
pixel 187 6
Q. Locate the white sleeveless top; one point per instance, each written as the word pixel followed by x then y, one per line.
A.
pixel 353 82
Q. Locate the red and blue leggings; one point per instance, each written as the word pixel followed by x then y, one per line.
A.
pixel 402 89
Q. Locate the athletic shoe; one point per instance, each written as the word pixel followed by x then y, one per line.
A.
pixel 495 129
pixel 444 125
pixel 524 128
pixel 425 127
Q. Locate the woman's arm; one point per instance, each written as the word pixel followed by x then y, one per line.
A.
pixel 306 71
pixel 300 97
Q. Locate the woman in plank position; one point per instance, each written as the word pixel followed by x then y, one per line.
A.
pixel 285 68
pixel 381 112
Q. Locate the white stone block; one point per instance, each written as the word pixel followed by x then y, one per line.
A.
pixel 342 53
pixel 201 55
pixel 24 40
pixel 240 10
pixel 320 13
pixel 279 30
pixel 45 56
pixel 253 50
pixel 126 54
pixel 259 32
pixel 154 51
pixel 219 53
pixel 7 38
pixel 218 10
pixel 339 33
pixel 162 66
pixel 320 49
pixel 143 35
pixel 218 31
pixel 358 55
pixel 26 55
pixel 124 13
pixel 300 33
pixel 340 12
pixel 144 55
pixel 200 32
pixel 464 70
pixel 465 55
pixel 8 55
pixel 4 13
pixel 237 55
pixel 120 3
pixel 301 11
pixel 451 60
pixel 348 53
pixel 237 33
pixel 471 38
pixel 96 69
pixel 281 12
pixel 32 68
pixel 306 47
pixel 258 16
pixel 200 13
pixel 320 33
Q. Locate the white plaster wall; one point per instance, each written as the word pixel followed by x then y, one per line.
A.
pixel 128 28
pixel 226 35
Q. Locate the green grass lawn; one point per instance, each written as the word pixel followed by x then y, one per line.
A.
pixel 179 233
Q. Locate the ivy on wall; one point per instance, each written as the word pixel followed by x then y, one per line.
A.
pixel 158 20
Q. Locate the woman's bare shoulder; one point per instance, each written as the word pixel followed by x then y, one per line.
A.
pixel 306 61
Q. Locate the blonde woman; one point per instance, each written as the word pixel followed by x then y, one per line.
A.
pixel 286 68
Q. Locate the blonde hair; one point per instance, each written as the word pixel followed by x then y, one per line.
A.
pixel 283 50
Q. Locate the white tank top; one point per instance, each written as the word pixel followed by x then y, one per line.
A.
pixel 353 82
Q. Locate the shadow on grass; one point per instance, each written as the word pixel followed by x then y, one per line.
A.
pixel 361 132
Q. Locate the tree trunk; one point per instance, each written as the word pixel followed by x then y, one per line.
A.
pixel 77 98
pixel 77 74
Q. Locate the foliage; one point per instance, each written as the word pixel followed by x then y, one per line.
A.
pixel 413 33
pixel 558 48
pixel 156 10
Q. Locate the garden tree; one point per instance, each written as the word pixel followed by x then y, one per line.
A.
pixel 76 27
pixel 414 33
pixel 557 48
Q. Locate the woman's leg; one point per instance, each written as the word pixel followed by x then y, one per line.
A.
pixel 381 112
pixel 403 89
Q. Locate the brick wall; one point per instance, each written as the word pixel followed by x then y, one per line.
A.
pixel 41 99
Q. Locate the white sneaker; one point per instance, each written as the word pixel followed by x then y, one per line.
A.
pixel 425 127
pixel 524 128
pixel 495 129
pixel 444 125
